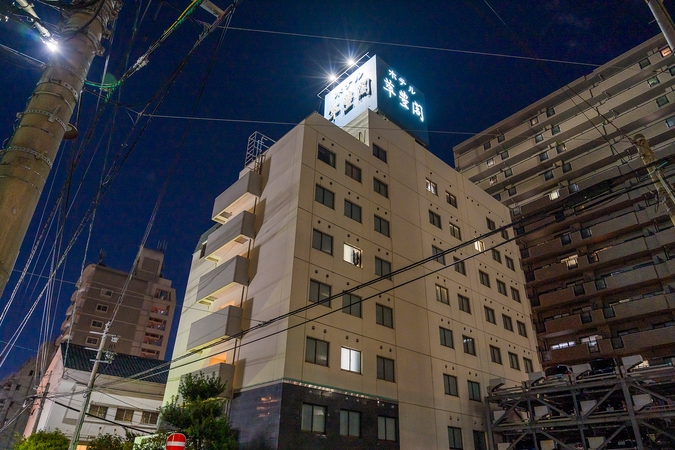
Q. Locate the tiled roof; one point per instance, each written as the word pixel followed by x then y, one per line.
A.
pixel 123 366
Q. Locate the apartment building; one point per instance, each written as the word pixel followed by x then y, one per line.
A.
pixel 144 319
pixel 599 273
pixel 295 300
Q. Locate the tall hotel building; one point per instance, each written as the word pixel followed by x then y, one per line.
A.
pixel 600 276
pixel 325 362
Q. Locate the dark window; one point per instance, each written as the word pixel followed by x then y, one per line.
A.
pixel 555 129
pixel 484 278
pixel 98 411
pixel 386 428
pixel 316 352
pixel 479 440
pixel 501 287
pixel 446 337
pixel 442 294
pixel 350 423
pixel 455 438
pixel 508 323
pixel 550 111
pixel 487 146
pixel 670 122
pixel 352 171
pixel 490 315
pixel 529 367
pixel 313 418
pixel 513 361
pixel 509 263
pixel 322 241
pixel 455 231
pixel 451 199
pixel 148 417
pixel 600 284
pixel 522 329
pixel 381 187
pixel 538 138
pixel 495 354
pixel 384 316
pixel 662 100
pixel 579 289
pixel 644 63
pixel 459 266
pixel 586 233
pixel 326 156
pixel 450 384
pixel 124 415
pixel 567 167
pixel 653 81
pixel 501 138
pixel 324 196
pixel 548 175
pixel 319 293
pixel 543 156
pixel 434 219
pixel 352 211
pixel 671 70
pixel 437 251
pixel 385 369
pixel 464 303
pixel 490 223
pixel 474 391
pixel 508 172
pixel 382 267
pixel 566 239
pixel 497 256
pixel 379 153
pixel 381 225
pixel 97 324
pixel 504 155
pixel 351 304
pixel 512 191
pixel 497 197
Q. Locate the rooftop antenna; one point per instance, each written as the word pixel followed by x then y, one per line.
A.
pixel 101 257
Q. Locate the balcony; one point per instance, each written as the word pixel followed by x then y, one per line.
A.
pixel 234 233
pixel 635 343
pixel 217 325
pixel 222 280
pixel 238 197
pixel 225 372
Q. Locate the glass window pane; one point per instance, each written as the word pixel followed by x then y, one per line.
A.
pixel 344 423
pixel 306 418
pixel 322 353
pixel 344 359
pixel 391 429
pixel 381 434
pixel 319 419
pixel 354 423
pixel 311 350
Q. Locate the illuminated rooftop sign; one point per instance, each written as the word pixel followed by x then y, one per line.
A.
pixel 376 86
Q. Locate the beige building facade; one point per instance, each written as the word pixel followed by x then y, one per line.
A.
pixel 144 320
pixel 296 300
pixel 599 273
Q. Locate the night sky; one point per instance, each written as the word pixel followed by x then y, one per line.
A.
pixel 269 67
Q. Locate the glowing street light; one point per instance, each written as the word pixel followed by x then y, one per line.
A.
pixel 52 45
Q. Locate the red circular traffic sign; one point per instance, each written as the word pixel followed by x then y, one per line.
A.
pixel 175 441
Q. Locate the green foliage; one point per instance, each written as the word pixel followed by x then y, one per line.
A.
pixel 155 442
pixel 44 440
pixel 200 415
pixel 112 442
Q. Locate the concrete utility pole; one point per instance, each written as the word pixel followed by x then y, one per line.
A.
pixel 32 148
pixel 663 188
pixel 663 19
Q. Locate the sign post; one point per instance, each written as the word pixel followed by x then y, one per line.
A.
pixel 175 441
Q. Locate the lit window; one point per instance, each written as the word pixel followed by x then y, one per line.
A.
pixel 437 251
pixel 490 223
pixel 353 211
pixel 381 225
pixel 313 418
pixel 434 219
pixel 381 188
pixel 559 148
pixel 459 265
pixel 351 304
pixel 474 391
pixel 319 293
pixel 432 187
pixel 497 256
pixel 495 354
pixel 663 100
pixel 352 171
pixel 543 156
pixel 653 81
pixel 451 199
pixel 666 51
pixel 455 438
pixel 352 255
pixel 644 63
pixel 484 278
pixel 493 180
pixel 469 345
pixel 534 121
pixel 501 287
pixel 326 156
pixel 550 111
pixel 324 196
pixel 382 267
pixel 538 138
pixel 513 361
pixel 379 153
pixel 509 263
pixel 479 246
pixel 522 329
pixel 571 261
pixel 384 316
pixel 490 315
pixel 385 369
pixel 464 303
pixel 316 352
pixel 490 162
pixel 350 360
pixel 487 146
pixel 322 241
pixel 450 385
pixel 386 428
pixel 554 195
pixel 350 423
pixel 446 337
pixel 508 323
pixel 442 294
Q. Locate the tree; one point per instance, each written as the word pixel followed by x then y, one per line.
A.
pixel 200 414
pixel 44 440
pixel 112 442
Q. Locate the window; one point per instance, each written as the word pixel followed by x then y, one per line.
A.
pixel 96 324
pixel 538 138
pixel 91 340
pixel 490 224
pixel 671 70
pixel 665 51
pixel 350 360
pixel 384 316
pixel 586 233
pixel 316 352
pixel 505 233
pixel 432 187
pixel 455 438
pixel 102 308
pixel 474 390
pixel 442 294
pixel 464 303
pixel 98 411
pixel 326 156
pixel 565 239
pixel 543 156
pixel 512 191
pixel 148 417
pixel 490 315
pixel 504 155
pixel 555 129
pixel 550 111
pixel 459 266
pixel 487 146
pixel 567 167
pixel 554 194
pixel 508 323
pixel 495 354
pixel 319 292
pixel 446 337
pixel 379 153
pixel 434 219
pixel 450 384
pixel 455 231
pixel 385 369
pixel 381 226
pixel 479 246
pixel 508 172
pixel 352 171
pixel 106 292
pixel 497 256
pixel 124 415
pixel 382 267
pixel 386 428
pixel 437 251
pixel 469 345
pixel 451 199
pixel 352 255
pixel 529 367
pixel 351 304
pixel 313 418
pixel 501 138
pixel 644 63
pixel 484 278
pixel 509 263
pixel 350 423
pixel 548 175
pixel 534 121
pixel 322 241
pixel 571 261
pixel 653 81
pixel 381 188
pixel 324 196
pixel 353 211
pixel 479 440
pixel 559 148
pixel 493 180
pixel 513 361
pixel 522 329
pixel 501 287
pixel 663 100
pixel 670 122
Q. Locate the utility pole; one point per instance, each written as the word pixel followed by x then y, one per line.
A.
pixel 31 150
pixel 41 407
pixel 663 188
pixel 90 386
pixel 663 19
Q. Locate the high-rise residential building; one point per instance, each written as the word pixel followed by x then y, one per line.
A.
pixel 297 297
pixel 599 273
pixel 143 322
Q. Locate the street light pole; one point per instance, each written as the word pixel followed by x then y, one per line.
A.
pixel 31 150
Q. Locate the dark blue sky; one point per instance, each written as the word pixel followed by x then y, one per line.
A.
pixel 269 68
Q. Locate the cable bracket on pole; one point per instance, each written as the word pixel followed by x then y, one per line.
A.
pixel 61 83
pixel 70 70
pixel 52 116
pixel 35 153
